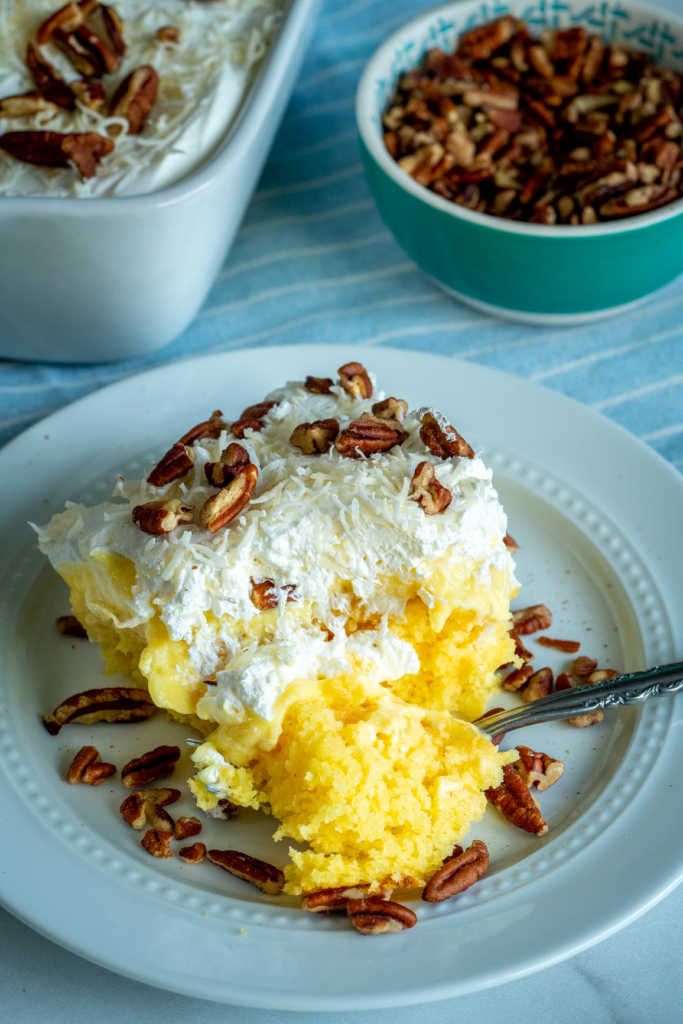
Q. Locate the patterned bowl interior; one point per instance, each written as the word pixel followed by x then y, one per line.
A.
pixel 657 32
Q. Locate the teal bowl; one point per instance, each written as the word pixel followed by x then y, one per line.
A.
pixel 528 272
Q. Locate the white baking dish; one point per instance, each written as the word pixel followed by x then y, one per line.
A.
pixel 91 280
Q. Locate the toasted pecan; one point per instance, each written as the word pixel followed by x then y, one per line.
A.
pixel 58 149
pixel 459 872
pixel 161 517
pixel 157 842
pixel 531 619
pixel 376 916
pixel 442 439
pixel 514 800
pixel 355 380
pixel 367 436
pixel 194 854
pixel 319 385
pixel 232 459
pixel 86 767
pixel 223 507
pixel 153 764
pixel 106 704
pixel 135 98
pixel 538 769
pixel 264 876
pixel 177 462
pixel 390 409
pixel 427 491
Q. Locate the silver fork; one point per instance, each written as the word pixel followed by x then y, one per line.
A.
pixel 632 688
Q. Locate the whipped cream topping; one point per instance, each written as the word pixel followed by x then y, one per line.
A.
pixel 203 79
pixel 335 528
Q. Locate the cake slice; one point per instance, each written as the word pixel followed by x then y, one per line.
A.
pixel 322 590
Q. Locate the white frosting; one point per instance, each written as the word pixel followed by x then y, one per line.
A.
pixel 314 522
pixel 202 82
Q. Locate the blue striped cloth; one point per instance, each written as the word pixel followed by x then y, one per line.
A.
pixel 313 262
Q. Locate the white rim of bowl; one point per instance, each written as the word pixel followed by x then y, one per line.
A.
pixel 374 142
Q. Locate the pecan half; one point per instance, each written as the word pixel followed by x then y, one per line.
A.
pixel 89 54
pixel 516 679
pixel 57 149
pixel 207 428
pixel 355 380
pixel 538 685
pixel 538 769
pixel 232 460
pixel 425 489
pixel 583 666
pixel 319 385
pixel 25 104
pixel 168 34
pixel 264 876
pixel 515 802
pixel 324 901
pixel 157 842
pixel 160 517
pixel 109 704
pixel 314 438
pixel 531 619
pixel 258 410
pixel 66 19
pixel 390 409
pixel 68 625
pixel 194 854
pixel 186 827
pixel 86 767
pixel 177 461
pixel 264 594
pixel 368 435
pixel 154 764
pixel 568 646
pixel 443 440
pixel 221 509
pixel 459 872
pixel 376 916
pixel 113 28
pixel 146 806
pixel 135 98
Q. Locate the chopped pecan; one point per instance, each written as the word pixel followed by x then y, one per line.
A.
pixel 600 675
pixel 391 409
pixel 25 104
pixel 56 149
pixel 113 28
pixel 538 769
pixel 177 461
pixel 442 439
pixel 265 596
pixel 376 916
pixel 232 459
pixel 168 34
pixel 568 646
pixel 135 98
pixel 221 509
pixel 157 842
pixel 194 854
pixel 315 438
pixel 239 427
pixel 186 827
pixel 146 806
pixel 159 517
pixel 368 435
pixel 538 685
pixel 583 666
pixel 459 872
pixel 324 901
pixel 319 385
pixel 355 380
pixel 563 682
pixel 154 764
pixel 86 767
pixel 520 650
pixel 89 54
pixel 264 876
pixel 431 496
pixel 510 542
pixel 516 679
pixel 531 619
pixel 514 800
pixel 68 625
pixel 481 42
pixel 207 428
pixel 66 19
pixel 109 704
pixel 90 93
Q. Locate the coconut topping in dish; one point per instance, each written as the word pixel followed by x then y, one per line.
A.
pixel 204 55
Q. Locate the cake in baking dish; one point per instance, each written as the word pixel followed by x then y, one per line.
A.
pixel 322 591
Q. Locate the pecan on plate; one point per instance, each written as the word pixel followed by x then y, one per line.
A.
pixel 264 876
pixel 324 901
pixel 68 625
pixel 368 435
pixel 146 807
pixel 600 675
pixel 154 764
pixel 538 769
pixel 355 380
pixel 376 916
pixel 516 679
pixel 520 650
pixel 531 619
pixel 86 767
pixel 314 438
pixel 108 704
pixel 135 98
pixel 161 517
pixel 221 508
pixel 112 27
pixel 207 428
pixel 157 842
pixel 458 873
pixel 264 595
pixel 442 439
pixel 515 802
pixel 425 489
pixel 194 854
pixel 583 665
pixel 568 646
pixel 26 104
pixel 232 459
pixel 58 149
pixel 186 827
pixel 537 685
pixel 394 409
pixel 319 385
pixel 177 461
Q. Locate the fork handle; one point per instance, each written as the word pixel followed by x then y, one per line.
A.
pixel 632 688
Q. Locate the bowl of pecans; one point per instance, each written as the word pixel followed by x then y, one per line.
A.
pixel 533 168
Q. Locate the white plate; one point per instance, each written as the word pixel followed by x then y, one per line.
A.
pixel 598 517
